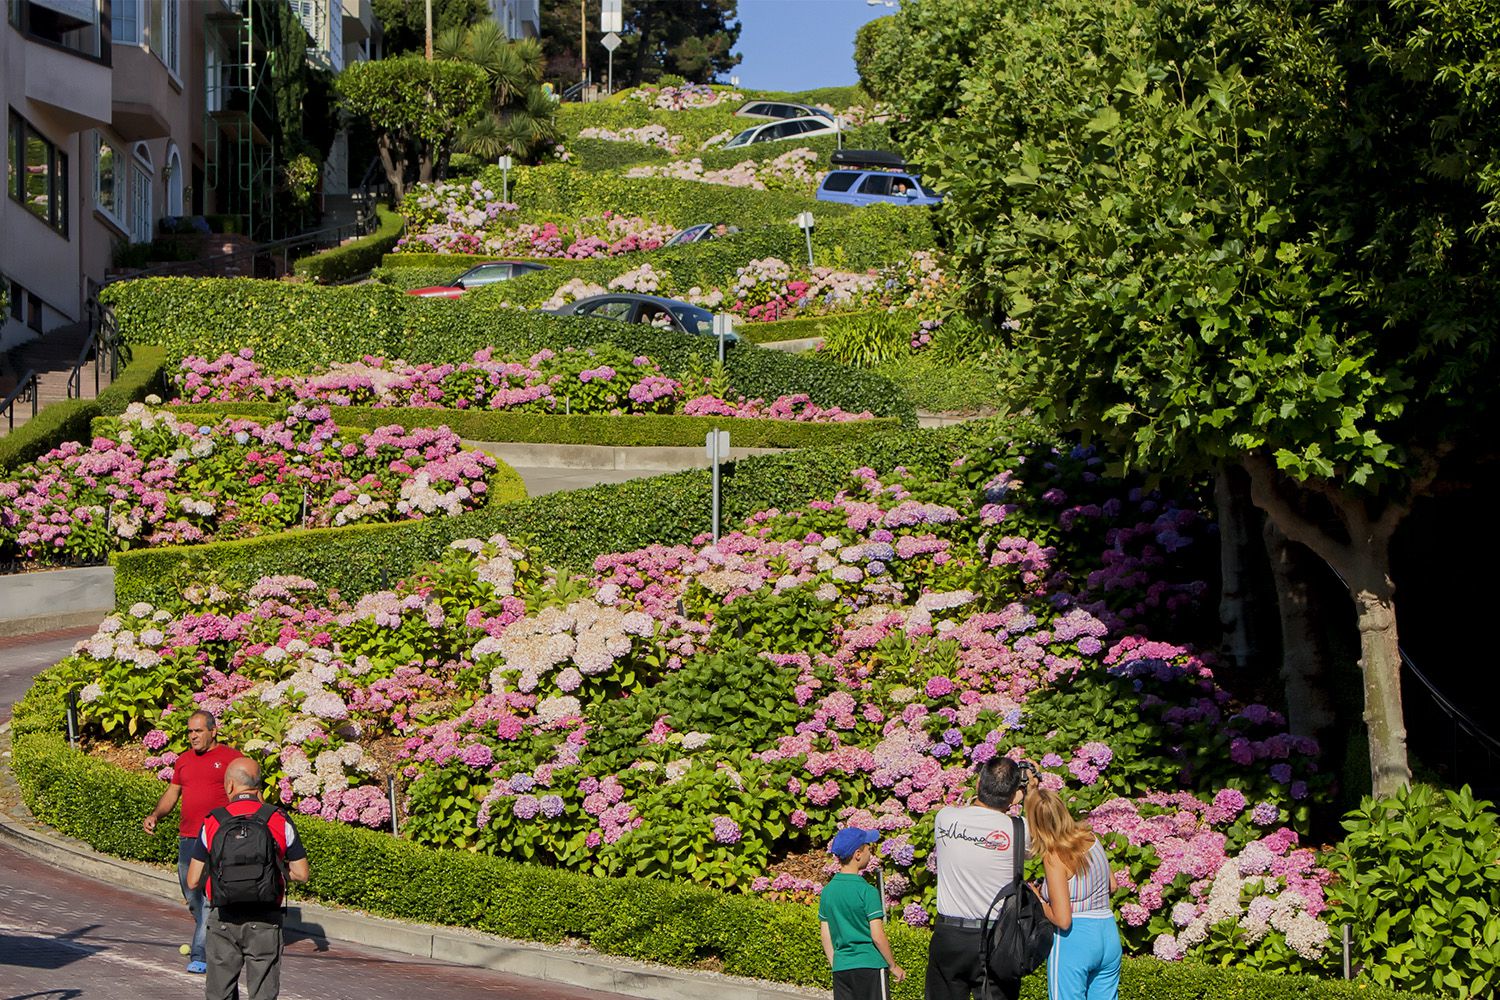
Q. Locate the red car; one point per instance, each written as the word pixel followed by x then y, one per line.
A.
pixel 480 274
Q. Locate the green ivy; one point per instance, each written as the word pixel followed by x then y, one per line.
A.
pixel 355 257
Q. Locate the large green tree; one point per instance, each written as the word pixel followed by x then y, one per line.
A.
pixel 693 39
pixel 403 23
pixel 414 108
pixel 1249 232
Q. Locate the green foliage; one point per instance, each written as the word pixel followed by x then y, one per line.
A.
pixel 355 257
pixel 565 529
pixel 940 386
pixel 304 327
pixel 801 328
pixel 414 107
pixel 70 419
pixel 1419 881
pixel 659 431
pixel 876 55
pixel 647 919
pixel 403 24
pixel 868 339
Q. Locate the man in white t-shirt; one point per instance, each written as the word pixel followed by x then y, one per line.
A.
pixel 975 847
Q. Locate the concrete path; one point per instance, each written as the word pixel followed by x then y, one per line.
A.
pixel 65 936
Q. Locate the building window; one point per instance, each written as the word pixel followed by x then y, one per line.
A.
pixel 38 174
pixel 125 22
pixel 142 211
pixel 175 182
pixel 69 24
pixel 162 30
pixel 109 179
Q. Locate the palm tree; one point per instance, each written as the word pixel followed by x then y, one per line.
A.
pixel 522 116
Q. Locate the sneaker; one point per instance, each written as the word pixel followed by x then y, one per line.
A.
pixel 198 968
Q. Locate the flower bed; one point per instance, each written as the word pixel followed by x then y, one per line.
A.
pixel 848 661
pixel 592 380
pixel 795 170
pixel 646 135
pixel 689 96
pixel 606 235
pixel 149 478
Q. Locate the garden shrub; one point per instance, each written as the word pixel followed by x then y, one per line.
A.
pixel 70 419
pixel 567 529
pixel 355 257
pixel 650 920
pixel 868 339
pixel 1420 883
pixel 661 431
pixel 304 327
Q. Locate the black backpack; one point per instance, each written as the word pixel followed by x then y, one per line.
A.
pixel 1018 940
pixel 245 865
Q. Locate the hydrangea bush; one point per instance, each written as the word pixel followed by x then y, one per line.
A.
pixel 714 712
pixel 688 96
pixel 601 379
pixel 150 478
pixel 795 170
pixel 474 221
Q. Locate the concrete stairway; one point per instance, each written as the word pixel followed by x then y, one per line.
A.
pixel 52 356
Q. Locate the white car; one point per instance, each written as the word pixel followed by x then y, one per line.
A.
pixel 795 128
pixel 781 110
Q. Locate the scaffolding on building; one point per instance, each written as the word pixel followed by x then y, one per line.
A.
pixel 240 159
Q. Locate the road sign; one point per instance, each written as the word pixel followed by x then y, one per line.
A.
pixel 611 18
pixel 611 41
pixel 717 445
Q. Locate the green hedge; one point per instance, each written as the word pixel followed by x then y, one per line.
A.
pixel 794 329
pixel 566 529
pixel 655 921
pixel 355 257
pixel 70 419
pixel 304 327
pixel 539 428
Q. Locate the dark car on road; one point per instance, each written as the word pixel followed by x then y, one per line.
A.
pixel 487 273
pixel 632 307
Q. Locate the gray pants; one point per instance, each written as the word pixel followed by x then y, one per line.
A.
pixel 253 945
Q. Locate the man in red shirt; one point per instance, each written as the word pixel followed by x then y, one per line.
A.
pixel 248 935
pixel 198 780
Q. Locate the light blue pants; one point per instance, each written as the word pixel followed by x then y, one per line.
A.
pixel 1085 960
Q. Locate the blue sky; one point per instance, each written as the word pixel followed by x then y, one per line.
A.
pixel 800 44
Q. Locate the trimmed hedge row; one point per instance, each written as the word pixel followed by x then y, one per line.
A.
pixel 566 529
pixel 540 428
pixel 304 327
pixel 651 920
pixel 355 257
pixel 69 419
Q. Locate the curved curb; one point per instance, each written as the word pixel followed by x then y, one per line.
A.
pixel 456 946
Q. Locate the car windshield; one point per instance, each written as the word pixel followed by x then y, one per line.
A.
pixel 742 139
pixel 693 319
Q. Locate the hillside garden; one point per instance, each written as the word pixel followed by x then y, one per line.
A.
pixel 587 704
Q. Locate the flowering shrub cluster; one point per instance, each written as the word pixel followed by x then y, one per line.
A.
pixel 716 711
pixel 149 478
pixel 646 135
pixel 600 379
pixel 791 171
pixel 482 232
pixel 684 98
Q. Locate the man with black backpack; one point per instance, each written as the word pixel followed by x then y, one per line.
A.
pixel 979 849
pixel 248 849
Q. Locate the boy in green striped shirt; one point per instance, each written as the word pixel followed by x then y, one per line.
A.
pixel 852 917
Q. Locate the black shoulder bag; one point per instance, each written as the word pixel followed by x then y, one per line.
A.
pixel 1018 940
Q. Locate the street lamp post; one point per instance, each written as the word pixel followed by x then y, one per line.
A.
pixel 505 164
pixel 804 221
pixel 723 327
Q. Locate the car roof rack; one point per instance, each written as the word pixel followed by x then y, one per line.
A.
pixel 868 158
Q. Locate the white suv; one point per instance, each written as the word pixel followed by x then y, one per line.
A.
pixel 794 128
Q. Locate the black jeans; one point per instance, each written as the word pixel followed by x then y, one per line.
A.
pixel 860 984
pixel 955 968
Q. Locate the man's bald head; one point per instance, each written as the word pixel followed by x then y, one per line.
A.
pixel 242 775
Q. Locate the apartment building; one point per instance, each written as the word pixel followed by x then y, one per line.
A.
pixel 103 104
pixel 122 113
pixel 519 18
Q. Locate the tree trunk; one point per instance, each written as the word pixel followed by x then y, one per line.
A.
pixel 1374 593
pixel 1363 561
pixel 394 172
pixel 1240 645
pixel 1303 653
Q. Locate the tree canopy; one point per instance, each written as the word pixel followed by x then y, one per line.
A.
pixel 693 39
pixel 403 23
pixel 1249 231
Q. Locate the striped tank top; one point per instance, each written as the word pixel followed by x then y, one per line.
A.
pixel 1088 889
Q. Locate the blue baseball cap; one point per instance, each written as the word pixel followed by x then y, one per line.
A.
pixel 850 839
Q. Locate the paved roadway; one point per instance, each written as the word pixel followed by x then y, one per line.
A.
pixel 23 657
pixel 64 937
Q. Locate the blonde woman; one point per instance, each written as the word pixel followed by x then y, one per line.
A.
pixel 1085 959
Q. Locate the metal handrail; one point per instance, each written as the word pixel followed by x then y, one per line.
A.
pixel 26 389
pixel 75 377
